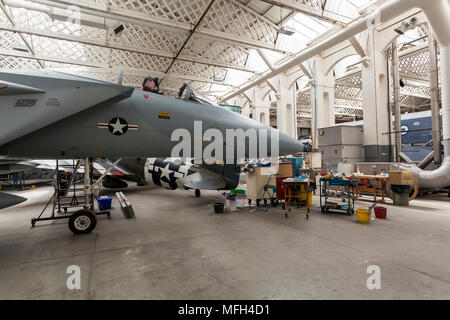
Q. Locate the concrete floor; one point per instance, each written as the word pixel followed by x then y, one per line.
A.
pixel 177 249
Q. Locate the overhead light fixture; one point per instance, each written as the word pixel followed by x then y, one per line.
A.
pixel 118 29
pixel 406 26
pixel 21 48
pixel 286 30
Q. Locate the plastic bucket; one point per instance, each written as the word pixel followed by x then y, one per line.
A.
pixel 104 203
pixel 219 207
pixel 380 212
pixel 363 215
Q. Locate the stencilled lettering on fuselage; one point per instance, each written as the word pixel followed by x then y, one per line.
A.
pixel 25 103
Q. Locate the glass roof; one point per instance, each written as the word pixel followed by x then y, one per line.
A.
pixel 306 28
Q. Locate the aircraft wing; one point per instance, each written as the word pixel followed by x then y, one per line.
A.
pixel 67 165
pixel 8 166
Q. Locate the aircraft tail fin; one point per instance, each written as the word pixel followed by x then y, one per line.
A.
pixel 10 88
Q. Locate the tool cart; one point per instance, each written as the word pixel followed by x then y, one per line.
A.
pixel 340 186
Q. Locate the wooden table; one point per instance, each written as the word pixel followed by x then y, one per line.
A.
pixel 292 192
pixel 375 181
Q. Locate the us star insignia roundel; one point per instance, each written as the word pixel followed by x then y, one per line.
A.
pixel 117 126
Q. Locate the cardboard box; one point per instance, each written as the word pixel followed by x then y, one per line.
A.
pixel 285 170
pixel 401 177
pixel 316 160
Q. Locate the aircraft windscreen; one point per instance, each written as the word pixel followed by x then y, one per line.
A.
pixel 187 93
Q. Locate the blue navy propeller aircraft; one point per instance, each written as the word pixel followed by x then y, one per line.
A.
pixel 172 174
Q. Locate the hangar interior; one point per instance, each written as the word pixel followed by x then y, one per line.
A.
pixel 361 87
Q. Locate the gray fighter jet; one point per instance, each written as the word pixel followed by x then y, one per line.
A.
pixel 52 115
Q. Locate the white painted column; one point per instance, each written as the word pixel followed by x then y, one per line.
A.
pixel 262 105
pixel 322 99
pixel 377 119
pixel 286 107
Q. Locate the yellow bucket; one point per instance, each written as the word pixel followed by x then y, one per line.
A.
pixel 363 215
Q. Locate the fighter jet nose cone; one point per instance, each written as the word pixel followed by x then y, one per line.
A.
pixel 289 145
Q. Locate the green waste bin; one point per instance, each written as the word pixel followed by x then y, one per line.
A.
pixel 400 195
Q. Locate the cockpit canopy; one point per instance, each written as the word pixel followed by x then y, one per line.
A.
pixel 187 93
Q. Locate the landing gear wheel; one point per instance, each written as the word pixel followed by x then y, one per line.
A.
pixel 197 193
pixel 82 222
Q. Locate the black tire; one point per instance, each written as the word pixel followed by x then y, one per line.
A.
pixel 197 193
pixel 82 222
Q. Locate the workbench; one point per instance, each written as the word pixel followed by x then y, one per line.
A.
pixel 379 186
pixel 299 191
